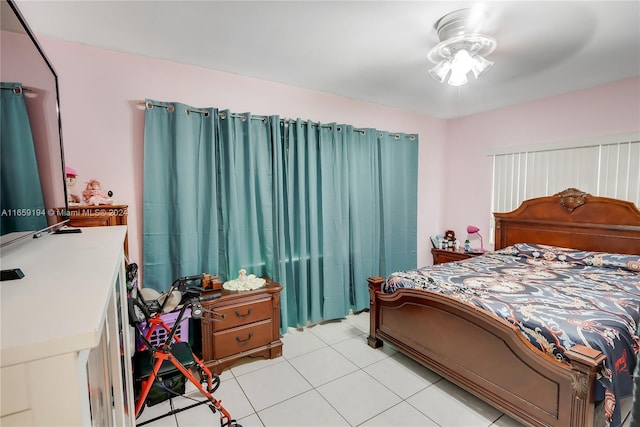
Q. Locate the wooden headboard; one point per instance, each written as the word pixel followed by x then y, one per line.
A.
pixel 572 219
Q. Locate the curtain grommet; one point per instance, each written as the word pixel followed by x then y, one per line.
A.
pixel 171 108
pixel 17 90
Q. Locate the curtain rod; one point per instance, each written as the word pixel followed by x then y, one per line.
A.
pixel 17 89
pixel 170 108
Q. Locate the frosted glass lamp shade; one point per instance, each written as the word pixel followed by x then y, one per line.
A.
pixel 480 65
pixel 440 70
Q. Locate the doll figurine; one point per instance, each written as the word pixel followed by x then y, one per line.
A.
pixel 93 194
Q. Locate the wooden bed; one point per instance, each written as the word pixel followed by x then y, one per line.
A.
pixel 488 356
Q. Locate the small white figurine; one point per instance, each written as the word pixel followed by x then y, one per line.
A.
pixel 244 282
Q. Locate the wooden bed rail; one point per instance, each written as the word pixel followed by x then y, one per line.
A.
pixel 486 356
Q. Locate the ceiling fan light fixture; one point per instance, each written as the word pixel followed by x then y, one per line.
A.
pixel 440 70
pixel 480 65
pixel 462 61
pixel 463 50
pixel 458 77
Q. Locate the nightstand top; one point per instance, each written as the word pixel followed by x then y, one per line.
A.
pixel 459 251
pixel 269 287
pixel 448 255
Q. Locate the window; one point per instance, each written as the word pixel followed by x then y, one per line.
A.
pixel 608 167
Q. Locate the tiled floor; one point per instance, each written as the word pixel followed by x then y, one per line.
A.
pixel 329 376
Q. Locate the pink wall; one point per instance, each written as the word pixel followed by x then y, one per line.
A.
pixel 103 122
pixel 103 128
pixel 606 110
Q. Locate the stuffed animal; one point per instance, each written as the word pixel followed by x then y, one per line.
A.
pixel 450 235
pixel 72 177
pixel 93 194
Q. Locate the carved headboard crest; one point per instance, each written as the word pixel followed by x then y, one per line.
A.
pixel 572 198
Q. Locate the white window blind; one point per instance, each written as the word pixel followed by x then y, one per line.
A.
pixel 609 167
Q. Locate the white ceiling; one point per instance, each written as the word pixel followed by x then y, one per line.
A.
pixel 369 51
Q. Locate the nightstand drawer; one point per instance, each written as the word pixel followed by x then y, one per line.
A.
pixel 241 339
pixel 243 314
pixel 251 327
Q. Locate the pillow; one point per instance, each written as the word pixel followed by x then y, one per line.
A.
pixel 573 256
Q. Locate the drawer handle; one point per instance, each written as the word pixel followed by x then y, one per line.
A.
pixel 244 315
pixel 244 341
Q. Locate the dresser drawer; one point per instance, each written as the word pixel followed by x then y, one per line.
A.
pixel 15 389
pixel 243 314
pixel 241 339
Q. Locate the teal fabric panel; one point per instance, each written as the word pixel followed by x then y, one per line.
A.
pixel 180 208
pixel 317 207
pixel 305 224
pixel 282 271
pixel 365 246
pixel 246 194
pixel 399 198
pixel 335 190
pixel 21 192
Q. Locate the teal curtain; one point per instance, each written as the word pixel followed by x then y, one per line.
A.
pixel 398 199
pixel 365 212
pixel 336 268
pixel 20 189
pixel 334 212
pixel 300 255
pixel 180 196
pixel 246 194
pixel 316 207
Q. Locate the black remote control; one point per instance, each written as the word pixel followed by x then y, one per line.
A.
pixel 12 274
pixel 67 231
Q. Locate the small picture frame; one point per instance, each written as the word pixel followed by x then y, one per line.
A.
pixel 435 240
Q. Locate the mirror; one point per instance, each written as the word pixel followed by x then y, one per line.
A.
pixel 22 60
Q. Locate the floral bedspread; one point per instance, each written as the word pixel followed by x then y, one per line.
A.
pixel 557 298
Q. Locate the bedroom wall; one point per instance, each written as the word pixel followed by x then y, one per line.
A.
pixel 103 128
pixel 611 109
pixel 103 123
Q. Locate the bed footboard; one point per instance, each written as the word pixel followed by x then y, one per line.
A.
pixel 486 356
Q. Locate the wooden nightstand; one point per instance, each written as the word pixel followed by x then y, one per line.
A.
pixel 447 255
pixel 251 326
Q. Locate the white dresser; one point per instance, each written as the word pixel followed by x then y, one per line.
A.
pixel 65 338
